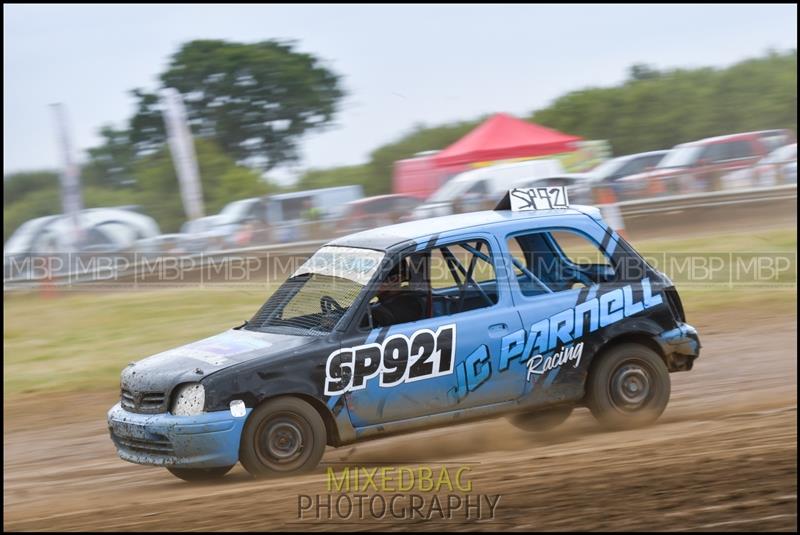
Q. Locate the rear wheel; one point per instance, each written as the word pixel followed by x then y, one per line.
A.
pixel 282 436
pixel 629 387
pixel 199 474
pixel 541 420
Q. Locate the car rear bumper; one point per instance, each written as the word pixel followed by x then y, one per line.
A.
pixel 681 346
pixel 207 440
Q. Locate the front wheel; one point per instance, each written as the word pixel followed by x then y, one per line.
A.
pixel 199 474
pixel 629 387
pixel 283 436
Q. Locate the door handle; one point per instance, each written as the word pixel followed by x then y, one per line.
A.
pixel 498 329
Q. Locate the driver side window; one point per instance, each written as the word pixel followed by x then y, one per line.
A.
pixel 448 279
pixel 399 296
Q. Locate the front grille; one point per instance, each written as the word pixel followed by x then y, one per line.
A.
pixel 143 402
pixel 155 446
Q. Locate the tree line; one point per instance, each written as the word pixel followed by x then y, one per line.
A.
pixel 249 106
pixel 650 110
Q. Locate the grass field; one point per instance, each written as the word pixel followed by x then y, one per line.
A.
pixel 81 339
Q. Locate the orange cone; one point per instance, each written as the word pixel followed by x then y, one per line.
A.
pixel 47 289
pixel 606 195
pixel 655 186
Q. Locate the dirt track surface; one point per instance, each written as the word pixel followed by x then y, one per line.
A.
pixel 722 457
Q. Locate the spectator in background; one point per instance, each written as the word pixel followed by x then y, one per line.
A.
pixel 312 214
pixel 244 235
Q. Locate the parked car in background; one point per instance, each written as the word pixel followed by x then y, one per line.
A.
pixel 377 211
pixel 246 222
pixel 163 244
pixel 790 172
pixel 700 165
pixel 580 186
pixel 98 230
pixel 108 229
pixel 31 236
pixel 203 234
pixel 297 215
pixel 326 202
pixel 482 188
pixel 239 224
pixel 778 167
pixel 612 170
pixel 775 139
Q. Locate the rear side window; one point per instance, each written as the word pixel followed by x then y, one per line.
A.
pixel 652 161
pixel 556 261
pixel 713 153
pixel 637 165
pixel 375 207
pixel 578 249
pixel 738 149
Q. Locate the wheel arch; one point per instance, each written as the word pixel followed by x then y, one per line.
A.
pixel 333 437
pixel 644 338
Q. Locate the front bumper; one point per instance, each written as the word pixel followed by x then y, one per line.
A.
pixel 204 441
pixel 681 346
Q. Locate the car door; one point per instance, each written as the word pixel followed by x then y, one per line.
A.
pixel 566 266
pixel 446 360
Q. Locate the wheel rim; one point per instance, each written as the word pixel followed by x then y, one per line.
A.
pixel 280 441
pixel 284 440
pixel 631 386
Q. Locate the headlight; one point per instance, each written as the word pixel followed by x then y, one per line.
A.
pixel 189 400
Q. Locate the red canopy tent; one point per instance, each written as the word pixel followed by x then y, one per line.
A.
pixel 502 137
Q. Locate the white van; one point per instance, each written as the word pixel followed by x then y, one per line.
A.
pixel 472 188
pixel 330 202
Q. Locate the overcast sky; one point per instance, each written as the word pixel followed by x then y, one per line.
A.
pixel 401 64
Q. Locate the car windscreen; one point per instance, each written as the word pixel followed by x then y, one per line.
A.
pixel 680 156
pixel 319 293
pixel 783 154
pixel 449 191
pixel 22 237
pixel 607 168
pixel 234 211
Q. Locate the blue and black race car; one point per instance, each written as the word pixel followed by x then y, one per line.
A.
pixel 521 313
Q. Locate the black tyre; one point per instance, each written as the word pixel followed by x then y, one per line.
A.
pixel 282 436
pixel 541 420
pixel 628 387
pixel 199 474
